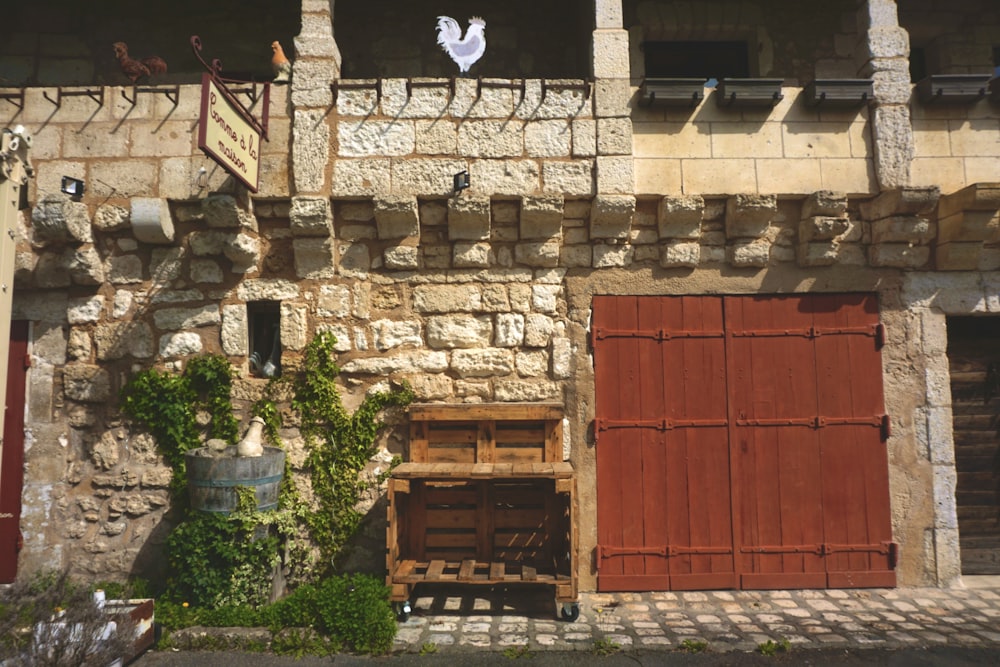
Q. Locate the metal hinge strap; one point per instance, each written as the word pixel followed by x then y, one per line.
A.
pixel 658 424
pixel 872 330
pixel 823 549
pixel 880 422
pixel 664 550
pixel 655 334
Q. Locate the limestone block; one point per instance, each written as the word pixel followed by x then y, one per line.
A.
pixel 608 13
pixel 545 298
pixel 314 258
pixel 469 218
pixel 824 203
pixel 243 251
pixel 84 310
pixel 898 255
pixel 976 197
pixel 436 137
pixel 749 254
pixel 584 137
pixel 355 259
pixel 612 97
pixel 572 256
pixel 887 42
pixel 310 216
pixel 893 140
pixel 85 266
pixel 495 299
pixel 311 147
pixel 471 255
pixel 110 218
pixel 123 270
pixel 612 255
pixel 520 297
pixel 86 383
pixel 544 253
pixel 680 254
pixel 224 212
pixel 362 177
pixel 749 216
pixel 504 177
pixel 903 229
pixel 402 257
pixel 233 334
pixel 294 326
pixel 415 361
pixel 491 138
pixel 817 254
pixel 459 331
pixel 334 301
pixel 118 339
pixel 389 334
pixel 51 270
pixel 57 219
pixel 509 330
pixel 396 216
pixel 181 344
pixel 680 217
pixel 562 358
pixel 902 201
pixel 615 174
pixel 957 256
pixel 481 363
pixel 568 178
pixel 431 387
pixel 373 138
pixel 822 228
pixel 205 271
pixel 206 243
pixel 267 289
pixel 447 298
pixel 79 345
pixel 610 53
pixel 970 226
pixel 541 216
pixel 356 211
pixel 547 138
pixel 611 216
pixel 532 363
pixel 173 319
pixel 526 390
pixel 538 330
pixel 614 136
pixel 361 300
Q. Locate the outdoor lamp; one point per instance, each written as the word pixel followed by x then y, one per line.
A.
pixel 72 186
pixel 461 181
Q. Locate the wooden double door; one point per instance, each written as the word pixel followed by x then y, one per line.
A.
pixel 741 443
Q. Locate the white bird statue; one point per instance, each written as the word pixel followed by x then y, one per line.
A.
pixel 465 51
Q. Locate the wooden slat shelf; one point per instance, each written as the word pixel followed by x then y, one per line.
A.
pixel 485 499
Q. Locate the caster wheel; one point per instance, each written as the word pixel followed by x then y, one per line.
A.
pixel 569 612
pixel 402 610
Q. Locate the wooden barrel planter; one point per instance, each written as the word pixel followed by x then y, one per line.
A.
pixel 212 478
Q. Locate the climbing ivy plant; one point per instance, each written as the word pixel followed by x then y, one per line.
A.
pixel 340 444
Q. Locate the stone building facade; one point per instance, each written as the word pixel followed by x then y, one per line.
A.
pixel 579 187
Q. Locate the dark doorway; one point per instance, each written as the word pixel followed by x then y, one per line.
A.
pixel 974 364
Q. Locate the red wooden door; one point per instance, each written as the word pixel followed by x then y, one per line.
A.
pixel 740 443
pixel 662 454
pixel 12 464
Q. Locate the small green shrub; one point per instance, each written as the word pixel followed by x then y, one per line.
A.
pixel 693 645
pixel 604 646
pixel 428 648
pixel 355 609
pixel 771 647
pixel 518 652
pixel 300 642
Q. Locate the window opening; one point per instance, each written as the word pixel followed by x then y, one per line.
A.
pixel 918 64
pixel 264 318
pixel 996 61
pixel 703 60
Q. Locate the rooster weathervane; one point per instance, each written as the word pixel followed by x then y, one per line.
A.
pixel 465 51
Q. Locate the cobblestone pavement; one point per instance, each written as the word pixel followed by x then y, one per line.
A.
pixel 521 619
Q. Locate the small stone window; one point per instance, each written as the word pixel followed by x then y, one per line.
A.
pixel 702 60
pixel 264 320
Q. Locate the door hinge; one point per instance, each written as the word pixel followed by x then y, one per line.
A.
pixel 27 361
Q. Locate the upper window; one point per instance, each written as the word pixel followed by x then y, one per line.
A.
pixel 707 60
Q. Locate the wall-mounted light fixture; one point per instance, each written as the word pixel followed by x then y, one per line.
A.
pixel 460 181
pixel 73 187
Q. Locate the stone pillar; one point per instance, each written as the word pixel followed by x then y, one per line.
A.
pixel 316 65
pixel 886 61
pixel 610 68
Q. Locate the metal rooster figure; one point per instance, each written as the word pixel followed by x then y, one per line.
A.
pixel 465 51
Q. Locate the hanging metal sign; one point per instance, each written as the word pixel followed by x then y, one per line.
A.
pixel 227 131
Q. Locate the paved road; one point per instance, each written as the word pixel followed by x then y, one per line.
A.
pixel 476 626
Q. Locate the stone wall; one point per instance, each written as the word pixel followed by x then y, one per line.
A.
pixel 957 38
pixel 791 149
pixel 957 145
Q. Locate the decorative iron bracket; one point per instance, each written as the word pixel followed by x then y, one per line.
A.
pixel 96 95
pixel 10 97
pixel 215 71
pixel 173 93
pixel 586 85
pixel 337 85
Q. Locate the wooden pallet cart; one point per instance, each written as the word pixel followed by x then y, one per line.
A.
pixel 485 499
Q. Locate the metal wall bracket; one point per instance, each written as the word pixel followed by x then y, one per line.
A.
pixel 10 97
pixel 510 85
pixel 95 94
pixel 172 93
pixel 586 86
pixel 337 85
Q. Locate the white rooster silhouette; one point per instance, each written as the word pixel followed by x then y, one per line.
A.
pixel 465 51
